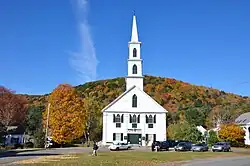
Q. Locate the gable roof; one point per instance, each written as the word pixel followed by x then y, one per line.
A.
pixel 118 98
pixel 126 92
pixel 243 118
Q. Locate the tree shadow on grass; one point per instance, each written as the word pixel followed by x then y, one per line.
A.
pixel 17 154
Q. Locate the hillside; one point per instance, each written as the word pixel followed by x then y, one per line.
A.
pixel 176 96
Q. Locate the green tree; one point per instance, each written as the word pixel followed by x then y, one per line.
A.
pixel 34 119
pixel 184 131
pixel 93 123
pixel 39 138
pixel 33 124
pixel 194 117
pixel 212 137
pixel 193 134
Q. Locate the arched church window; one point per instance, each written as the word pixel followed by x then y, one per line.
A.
pixel 134 52
pixel 150 119
pixel 134 69
pixel 134 101
pixel 134 119
pixel 118 118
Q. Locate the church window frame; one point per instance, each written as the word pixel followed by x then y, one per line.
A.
pixel 134 121
pixel 150 119
pixel 134 101
pixel 134 52
pixel 134 69
pixel 117 118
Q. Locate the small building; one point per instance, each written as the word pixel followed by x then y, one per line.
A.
pixel 244 121
pixel 134 117
pixel 201 129
pixel 15 135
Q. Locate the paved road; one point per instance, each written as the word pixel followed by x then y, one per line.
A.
pixel 232 161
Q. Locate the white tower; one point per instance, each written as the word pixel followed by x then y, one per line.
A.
pixel 135 76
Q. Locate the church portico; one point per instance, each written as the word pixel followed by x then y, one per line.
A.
pixel 134 117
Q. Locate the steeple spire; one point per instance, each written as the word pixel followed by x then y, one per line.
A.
pixel 135 76
pixel 134 37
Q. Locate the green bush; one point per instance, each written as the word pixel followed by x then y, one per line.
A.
pixel 28 145
pixel 212 137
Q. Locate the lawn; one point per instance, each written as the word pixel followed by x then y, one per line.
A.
pixel 131 158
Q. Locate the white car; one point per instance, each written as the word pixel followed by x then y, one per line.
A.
pixel 119 146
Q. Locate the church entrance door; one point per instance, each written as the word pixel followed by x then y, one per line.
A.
pixel 134 138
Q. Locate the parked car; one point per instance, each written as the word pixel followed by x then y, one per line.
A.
pixel 162 145
pixel 221 147
pixel 172 143
pixel 119 146
pixel 200 147
pixel 183 146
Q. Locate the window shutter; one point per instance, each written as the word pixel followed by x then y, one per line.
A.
pixel 138 119
pixel 113 136
pixel 122 118
pixel 130 119
pixel 146 118
pixel 154 118
pixel 154 137
pixel 146 137
pixel 121 136
pixel 114 118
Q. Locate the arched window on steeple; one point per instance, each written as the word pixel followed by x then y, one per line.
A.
pixel 134 69
pixel 134 52
pixel 134 101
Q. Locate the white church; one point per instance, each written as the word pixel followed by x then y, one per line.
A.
pixel 134 117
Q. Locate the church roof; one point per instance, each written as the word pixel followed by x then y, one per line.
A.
pixel 243 118
pixel 126 92
pixel 114 101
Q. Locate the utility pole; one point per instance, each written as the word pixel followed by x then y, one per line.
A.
pixel 47 124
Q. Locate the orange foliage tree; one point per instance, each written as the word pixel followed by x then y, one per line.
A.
pixel 13 108
pixel 67 114
pixel 232 133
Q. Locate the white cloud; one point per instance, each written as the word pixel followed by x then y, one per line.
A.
pixel 84 61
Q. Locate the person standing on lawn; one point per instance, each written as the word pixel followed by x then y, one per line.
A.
pixel 153 147
pixel 95 147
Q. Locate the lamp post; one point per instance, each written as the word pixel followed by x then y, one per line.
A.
pixel 47 124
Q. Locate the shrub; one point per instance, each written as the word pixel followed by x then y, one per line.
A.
pixel 233 134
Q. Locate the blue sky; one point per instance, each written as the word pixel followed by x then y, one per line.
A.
pixel 201 42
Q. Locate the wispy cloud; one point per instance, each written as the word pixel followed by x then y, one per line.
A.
pixel 84 61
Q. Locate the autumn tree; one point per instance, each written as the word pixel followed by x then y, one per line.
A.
pixel 232 133
pixel 13 108
pixel 66 114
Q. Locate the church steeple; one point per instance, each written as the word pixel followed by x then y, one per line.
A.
pixel 135 77
pixel 134 36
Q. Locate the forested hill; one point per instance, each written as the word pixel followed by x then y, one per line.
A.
pixel 178 97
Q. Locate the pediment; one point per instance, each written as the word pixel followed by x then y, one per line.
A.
pixel 144 103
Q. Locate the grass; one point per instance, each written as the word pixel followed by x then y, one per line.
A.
pixel 129 158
